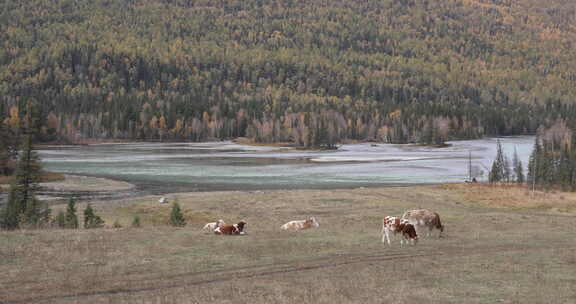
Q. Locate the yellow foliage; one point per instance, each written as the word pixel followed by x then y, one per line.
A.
pixel 14 120
pixel 395 114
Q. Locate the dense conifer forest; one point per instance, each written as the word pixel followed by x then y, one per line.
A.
pixel 313 72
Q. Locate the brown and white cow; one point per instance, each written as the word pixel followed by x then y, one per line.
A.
pixel 236 229
pixel 424 219
pixel 396 225
pixel 210 227
pixel 301 224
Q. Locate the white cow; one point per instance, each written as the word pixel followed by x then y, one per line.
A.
pixel 424 219
pixel 396 225
pixel 210 227
pixel 301 224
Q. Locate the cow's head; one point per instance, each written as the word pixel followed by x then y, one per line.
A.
pixel 240 226
pixel 314 222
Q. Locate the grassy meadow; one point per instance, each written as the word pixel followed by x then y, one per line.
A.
pixel 501 245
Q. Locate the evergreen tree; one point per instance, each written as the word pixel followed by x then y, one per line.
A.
pixel 8 150
pixel 22 207
pixel 518 169
pixel 91 220
pixel 507 170
pixel 176 216
pixel 71 219
pixel 498 173
pixel 61 219
pixel 565 174
pixel 533 163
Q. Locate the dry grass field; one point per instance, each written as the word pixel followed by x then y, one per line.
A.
pixel 501 245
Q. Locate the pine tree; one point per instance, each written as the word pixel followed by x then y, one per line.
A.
pixel 91 220
pixel 176 216
pixel 8 150
pixel 71 219
pixel 61 220
pixel 498 173
pixel 533 163
pixel 507 170
pixel 22 207
pixel 518 169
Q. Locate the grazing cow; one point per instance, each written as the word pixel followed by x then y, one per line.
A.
pixel 235 229
pixel 210 227
pixel 300 225
pixel 396 225
pixel 422 218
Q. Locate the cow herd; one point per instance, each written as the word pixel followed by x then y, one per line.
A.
pixel 409 226
pixel 412 223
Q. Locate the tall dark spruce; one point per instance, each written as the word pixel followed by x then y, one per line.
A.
pixel 23 209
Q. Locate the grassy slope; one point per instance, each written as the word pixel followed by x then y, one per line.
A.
pixel 495 250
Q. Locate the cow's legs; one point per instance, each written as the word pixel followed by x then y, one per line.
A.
pixel 385 235
pixel 416 228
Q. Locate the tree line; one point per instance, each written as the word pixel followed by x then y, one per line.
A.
pixel 22 209
pixel 311 72
pixel 552 163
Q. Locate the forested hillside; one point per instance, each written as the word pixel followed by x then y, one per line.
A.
pixel 313 72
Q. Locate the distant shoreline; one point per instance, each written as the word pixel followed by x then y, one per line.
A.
pixel 82 188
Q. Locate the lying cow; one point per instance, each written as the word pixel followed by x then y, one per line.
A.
pixel 300 225
pixel 396 225
pixel 236 229
pixel 424 219
pixel 210 227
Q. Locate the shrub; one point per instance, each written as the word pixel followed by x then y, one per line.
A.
pixel 176 216
pixel 91 220
pixel 71 219
pixel 136 222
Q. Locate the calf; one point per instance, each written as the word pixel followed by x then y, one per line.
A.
pixel 210 227
pixel 235 229
pixel 424 219
pixel 396 225
pixel 301 224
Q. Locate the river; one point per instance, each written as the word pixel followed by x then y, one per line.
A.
pixel 157 168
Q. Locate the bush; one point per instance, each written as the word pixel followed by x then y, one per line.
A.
pixel 176 216
pixel 91 220
pixel 71 219
pixel 136 222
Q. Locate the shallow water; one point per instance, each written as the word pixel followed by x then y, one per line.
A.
pixel 174 167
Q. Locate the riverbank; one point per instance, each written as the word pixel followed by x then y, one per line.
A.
pixel 81 188
pixel 46 177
